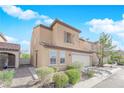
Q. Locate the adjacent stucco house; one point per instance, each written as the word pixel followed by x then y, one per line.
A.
pixel 9 53
pixel 59 45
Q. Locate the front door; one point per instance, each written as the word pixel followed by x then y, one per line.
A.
pixel 11 60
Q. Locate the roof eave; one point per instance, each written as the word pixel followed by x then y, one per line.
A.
pixel 58 21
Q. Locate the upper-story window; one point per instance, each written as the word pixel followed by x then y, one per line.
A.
pixel 67 37
pixel 53 54
pixel 62 57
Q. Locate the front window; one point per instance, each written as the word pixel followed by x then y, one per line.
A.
pixel 53 55
pixel 62 57
pixel 67 37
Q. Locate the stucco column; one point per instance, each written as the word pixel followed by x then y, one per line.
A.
pixel 17 60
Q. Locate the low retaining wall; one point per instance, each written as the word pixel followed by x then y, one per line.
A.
pixel 94 81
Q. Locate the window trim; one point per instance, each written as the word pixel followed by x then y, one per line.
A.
pixel 50 52
pixel 62 57
pixel 67 37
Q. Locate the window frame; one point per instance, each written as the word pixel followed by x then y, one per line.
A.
pixel 67 37
pixel 62 56
pixel 53 57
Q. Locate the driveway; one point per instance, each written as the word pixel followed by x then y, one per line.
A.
pixel 22 77
pixel 115 81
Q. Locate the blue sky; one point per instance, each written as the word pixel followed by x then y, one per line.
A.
pixel 16 22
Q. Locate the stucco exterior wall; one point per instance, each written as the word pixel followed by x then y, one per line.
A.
pixel 84 45
pixel 55 36
pixel 45 35
pixel 34 44
pixel 58 36
pixel 44 58
pixel 95 59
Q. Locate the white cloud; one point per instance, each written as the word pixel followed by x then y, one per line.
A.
pixel 43 19
pixel 106 25
pixel 19 13
pixel 48 21
pixel 38 22
pixel 11 39
pixel 44 16
pixel 109 26
pixel 26 14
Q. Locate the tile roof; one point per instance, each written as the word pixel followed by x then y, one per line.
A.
pixel 65 48
pixel 9 46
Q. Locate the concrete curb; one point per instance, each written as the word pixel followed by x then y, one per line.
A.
pixel 33 73
pixel 94 81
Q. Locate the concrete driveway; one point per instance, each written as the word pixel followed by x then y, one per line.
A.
pixel 115 81
pixel 22 77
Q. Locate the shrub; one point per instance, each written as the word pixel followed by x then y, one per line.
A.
pixel 74 75
pixel 90 73
pixel 45 74
pixel 121 63
pixel 6 77
pixel 55 69
pixel 60 79
pixel 25 56
pixel 110 62
pixel 75 65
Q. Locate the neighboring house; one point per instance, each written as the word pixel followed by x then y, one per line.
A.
pixel 59 45
pixel 9 53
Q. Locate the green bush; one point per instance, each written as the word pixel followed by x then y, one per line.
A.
pixel 60 79
pixel 90 73
pixel 110 62
pixel 55 69
pixel 6 77
pixel 45 74
pixel 25 56
pixel 121 63
pixel 74 75
pixel 75 65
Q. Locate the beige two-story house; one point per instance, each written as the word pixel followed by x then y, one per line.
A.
pixel 59 45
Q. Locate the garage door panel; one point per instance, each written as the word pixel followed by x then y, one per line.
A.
pixel 84 59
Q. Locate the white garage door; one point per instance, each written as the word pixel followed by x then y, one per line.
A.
pixel 83 58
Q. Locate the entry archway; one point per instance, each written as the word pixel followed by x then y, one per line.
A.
pixel 7 58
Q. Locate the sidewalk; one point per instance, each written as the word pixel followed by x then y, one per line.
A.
pixel 95 80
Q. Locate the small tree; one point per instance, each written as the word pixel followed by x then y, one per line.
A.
pixel 25 56
pixel 105 47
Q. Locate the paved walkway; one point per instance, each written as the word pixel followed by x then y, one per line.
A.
pixel 115 81
pixel 22 77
